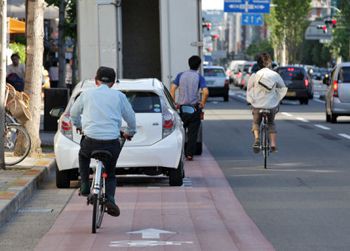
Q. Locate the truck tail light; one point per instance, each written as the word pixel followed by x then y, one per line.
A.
pixel 306 83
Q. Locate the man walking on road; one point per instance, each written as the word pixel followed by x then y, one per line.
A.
pixel 98 113
pixel 189 84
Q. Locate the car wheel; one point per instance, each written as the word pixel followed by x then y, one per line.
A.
pixel 328 118
pixel 226 98
pixel 333 118
pixel 306 101
pixel 62 177
pixel 301 101
pixel 176 175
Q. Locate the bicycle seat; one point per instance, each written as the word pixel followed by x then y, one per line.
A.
pixel 264 111
pixel 102 155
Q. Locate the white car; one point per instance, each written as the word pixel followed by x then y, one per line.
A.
pixel 156 148
pixel 217 81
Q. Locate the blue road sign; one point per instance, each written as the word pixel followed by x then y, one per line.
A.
pixel 247 6
pixel 252 19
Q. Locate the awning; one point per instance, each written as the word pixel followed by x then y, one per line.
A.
pixel 16 26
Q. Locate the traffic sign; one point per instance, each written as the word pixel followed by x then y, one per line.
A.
pixel 247 6
pixel 252 19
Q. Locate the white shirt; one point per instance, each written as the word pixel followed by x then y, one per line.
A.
pixel 259 96
pixel 19 70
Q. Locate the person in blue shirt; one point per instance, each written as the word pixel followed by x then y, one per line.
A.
pixel 98 113
pixel 190 83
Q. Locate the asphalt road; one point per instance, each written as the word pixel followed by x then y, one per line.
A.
pixel 302 201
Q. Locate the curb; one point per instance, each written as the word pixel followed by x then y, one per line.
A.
pixel 25 193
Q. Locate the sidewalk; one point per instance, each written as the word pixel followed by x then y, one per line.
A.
pixel 18 183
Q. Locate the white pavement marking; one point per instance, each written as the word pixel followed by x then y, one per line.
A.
pixel 151 233
pixel 302 119
pixel 144 243
pixel 344 135
pixel 287 114
pixel 323 127
pixel 319 101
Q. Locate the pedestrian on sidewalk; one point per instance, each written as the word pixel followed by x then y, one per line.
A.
pixel 190 83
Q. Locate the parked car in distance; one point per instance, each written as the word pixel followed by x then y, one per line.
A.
pixel 156 148
pixel 217 81
pixel 246 72
pixel 298 81
pixel 338 92
pixel 234 70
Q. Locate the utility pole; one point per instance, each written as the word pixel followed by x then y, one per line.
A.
pixel 3 17
pixel 61 46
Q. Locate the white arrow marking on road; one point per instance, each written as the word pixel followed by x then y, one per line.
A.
pixel 143 244
pixel 151 233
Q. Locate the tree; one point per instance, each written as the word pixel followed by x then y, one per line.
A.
pixel 66 27
pixel 258 47
pixel 288 21
pixel 340 45
pixel 34 64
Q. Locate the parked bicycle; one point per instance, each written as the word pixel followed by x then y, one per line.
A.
pixel 14 135
pixel 97 195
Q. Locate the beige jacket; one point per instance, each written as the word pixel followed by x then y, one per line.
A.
pixel 269 92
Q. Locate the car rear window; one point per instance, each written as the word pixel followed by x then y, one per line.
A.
pixel 144 102
pixel 344 74
pixel 291 73
pixel 214 73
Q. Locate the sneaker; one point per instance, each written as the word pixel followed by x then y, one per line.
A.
pixel 189 157
pixel 273 149
pixel 84 189
pixel 256 146
pixel 112 209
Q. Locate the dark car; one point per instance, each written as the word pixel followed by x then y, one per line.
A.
pixel 298 81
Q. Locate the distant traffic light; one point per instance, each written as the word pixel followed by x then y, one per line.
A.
pixel 206 25
pixel 332 22
pixel 322 27
pixel 214 36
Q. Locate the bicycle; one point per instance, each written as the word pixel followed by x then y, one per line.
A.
pixel 14 131
pixel 97 195
pixel 264 137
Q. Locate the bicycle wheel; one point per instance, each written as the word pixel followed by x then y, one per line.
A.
pixel 95 212
pixel 264 144
pixel 17 144
pixel 101 207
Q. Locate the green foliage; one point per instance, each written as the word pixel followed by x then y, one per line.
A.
pixel 288 22
pixel 341 34
pixel 258 47
pixel 314 53
pixel 70 24
pixel 20 49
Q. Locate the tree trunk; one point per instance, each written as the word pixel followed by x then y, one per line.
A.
pixel 34 64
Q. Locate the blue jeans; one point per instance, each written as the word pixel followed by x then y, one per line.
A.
pixel 87 146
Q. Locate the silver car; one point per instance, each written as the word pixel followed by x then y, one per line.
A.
pixel 338 92
pixel 217 82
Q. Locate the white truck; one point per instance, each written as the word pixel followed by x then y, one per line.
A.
pixel 150 38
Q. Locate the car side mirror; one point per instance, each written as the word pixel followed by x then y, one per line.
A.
pixel 326 80
pixel 56 112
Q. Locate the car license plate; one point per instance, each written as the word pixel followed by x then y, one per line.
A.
pixel 210 83
pixel 290 94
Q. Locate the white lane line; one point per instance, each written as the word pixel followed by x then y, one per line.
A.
pixel 323 127
pixel 319 101
pixel 344 135
pixel 287 114
pixel 302 119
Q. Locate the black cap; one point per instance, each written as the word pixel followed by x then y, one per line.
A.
pixel 105 74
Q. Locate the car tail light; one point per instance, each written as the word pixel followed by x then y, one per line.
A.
pixel 335 88
pixel 306 82
pixel 65 126
pixel 168 123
